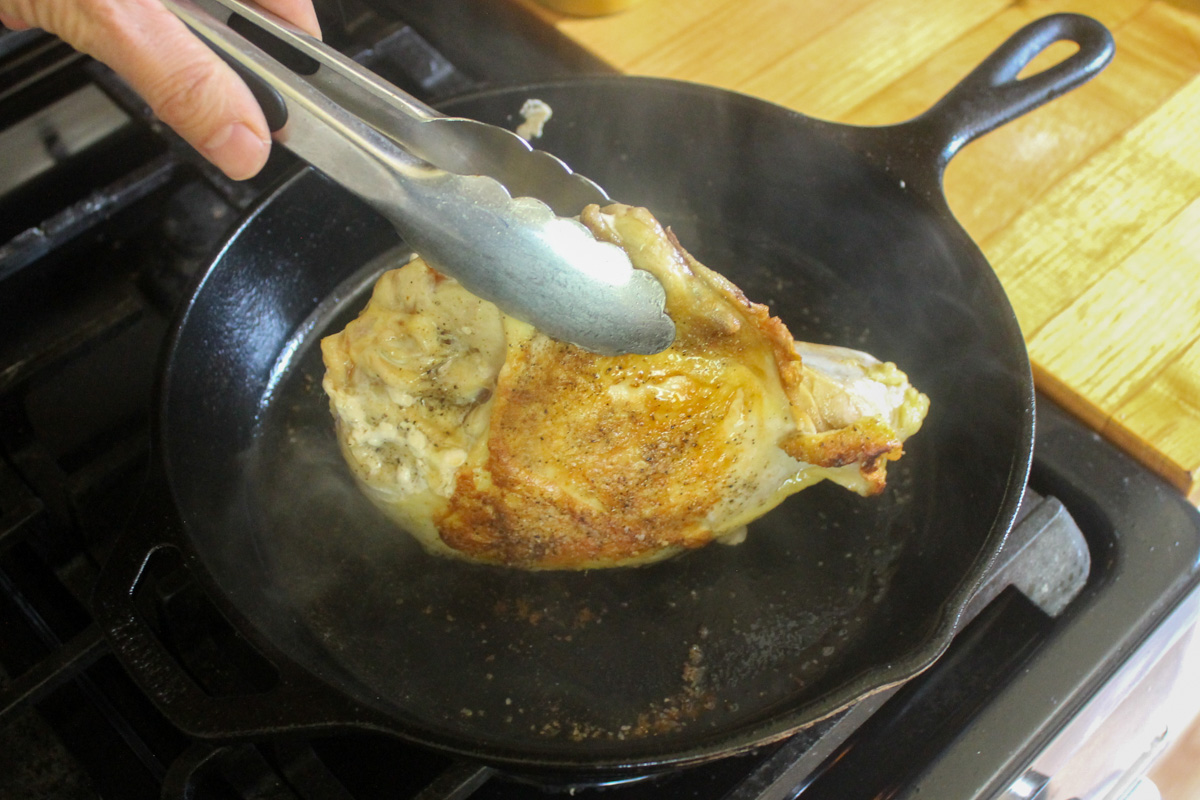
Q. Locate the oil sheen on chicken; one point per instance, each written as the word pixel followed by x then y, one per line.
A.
pixel 489 441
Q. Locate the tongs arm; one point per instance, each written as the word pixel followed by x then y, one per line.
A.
pixel 357 89
pixel 517 253
pixel 302 116
pixel 458 145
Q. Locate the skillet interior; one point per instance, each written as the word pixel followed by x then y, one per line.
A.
pixel 831 597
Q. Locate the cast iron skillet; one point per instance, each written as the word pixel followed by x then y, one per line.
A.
pixel 843 230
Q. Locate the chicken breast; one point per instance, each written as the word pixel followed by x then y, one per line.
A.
pixel 489 441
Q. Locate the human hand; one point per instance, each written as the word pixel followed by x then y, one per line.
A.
pixel 185 83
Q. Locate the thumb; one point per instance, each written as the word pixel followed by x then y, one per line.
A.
pixel 186 85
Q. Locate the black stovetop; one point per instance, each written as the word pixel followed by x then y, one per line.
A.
pixel 98 245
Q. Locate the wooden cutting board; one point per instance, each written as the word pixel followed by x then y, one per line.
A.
pixel 1088 208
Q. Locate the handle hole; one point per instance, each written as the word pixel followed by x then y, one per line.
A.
pixel 217 659
pixel 1052 56
pixel 281 51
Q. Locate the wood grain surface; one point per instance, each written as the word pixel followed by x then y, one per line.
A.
pixel 1088 208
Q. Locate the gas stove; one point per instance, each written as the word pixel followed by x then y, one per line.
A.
pixel 1065 678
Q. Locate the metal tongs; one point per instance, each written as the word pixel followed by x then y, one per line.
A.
pixel 476 201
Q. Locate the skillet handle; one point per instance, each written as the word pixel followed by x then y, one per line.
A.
pixel 992 94
pixel 291 700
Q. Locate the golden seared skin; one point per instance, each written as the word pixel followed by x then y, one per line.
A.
pixel 552 457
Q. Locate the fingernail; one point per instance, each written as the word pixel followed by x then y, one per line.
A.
pixel 237 150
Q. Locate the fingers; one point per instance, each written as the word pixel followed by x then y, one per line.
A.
pixel 186 85
pixel 13 23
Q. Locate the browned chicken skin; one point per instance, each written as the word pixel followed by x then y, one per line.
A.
pixel 492 442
